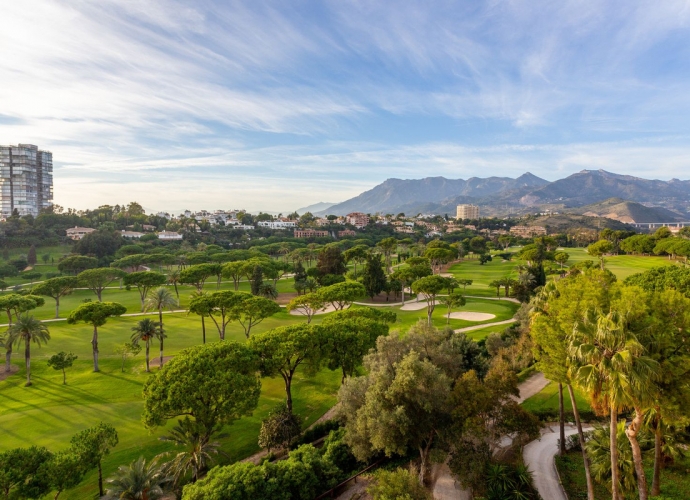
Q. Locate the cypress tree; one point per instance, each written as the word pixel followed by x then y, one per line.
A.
pixel 374 278
pixel 31 257
pixel 257 280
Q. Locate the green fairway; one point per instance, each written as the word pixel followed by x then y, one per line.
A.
pixel 621 265
pixel 482 275
pixel 547 399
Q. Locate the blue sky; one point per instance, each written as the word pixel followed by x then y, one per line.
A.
pixel 277 105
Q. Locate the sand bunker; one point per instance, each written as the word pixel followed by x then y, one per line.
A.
pixel 414 306
pixel 472 316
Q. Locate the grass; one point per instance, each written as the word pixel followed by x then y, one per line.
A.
pixel 675 479
pixel 547 400
pixel 48 413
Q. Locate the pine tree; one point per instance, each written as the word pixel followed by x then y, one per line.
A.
pixel 257 280
pixel 374 278
pixel 31 257
pixel 300 273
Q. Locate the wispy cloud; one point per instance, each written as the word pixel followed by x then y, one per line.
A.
pixel 269 104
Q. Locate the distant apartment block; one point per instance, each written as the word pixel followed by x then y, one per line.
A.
pixel 77 233
pixel 169 236
pixel 347 232
pixel 131 235
pixel 467 212
pixel 26 179
pixel 357 219
pixel 277 224
pixel 310 233
pixel 528 231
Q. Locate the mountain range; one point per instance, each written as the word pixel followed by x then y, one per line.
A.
pixel 499 196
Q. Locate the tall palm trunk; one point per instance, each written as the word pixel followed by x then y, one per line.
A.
pixel 658 441
pixel 613 430
pixel 8 351
pixel 561 421
pixel 581 436
pixel 632 431
pixel 160 319
pixel 94 344
pixel 27 359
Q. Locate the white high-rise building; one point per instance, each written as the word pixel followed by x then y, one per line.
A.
pixel 26 179
pixel 467 212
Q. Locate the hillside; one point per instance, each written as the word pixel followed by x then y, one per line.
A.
pixel 316 207
pixel 407 195
pixel 500 196
pixel 627 211
pixel 562 223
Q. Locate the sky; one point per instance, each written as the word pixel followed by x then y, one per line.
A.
pixel 276 105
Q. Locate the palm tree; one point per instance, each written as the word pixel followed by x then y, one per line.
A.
pixel 159 299
pixel 144 331
pixel 137 481
pixel 608 362
pixel 268 290
pixel 174 279
pixel 27 329
pixel 599 452
pixel 196 454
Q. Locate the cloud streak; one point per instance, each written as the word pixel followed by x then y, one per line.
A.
pixel 266 104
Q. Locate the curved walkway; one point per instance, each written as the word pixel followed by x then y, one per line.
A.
pixel 539 456
pixel 123 315
pixel 485 325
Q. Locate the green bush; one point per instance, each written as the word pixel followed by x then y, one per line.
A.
pixel 398 484
pixel 317 431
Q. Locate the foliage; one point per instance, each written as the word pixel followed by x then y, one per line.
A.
pixel 101 243
pixel 214 384
pixel 330 261
pixel 62 361
pixel 196 455
pixel 144 281
pixel 75 264
pixel 302 476
pixel 137 481
pixel 98 279
pixel 92 445
pixel 373 277
pixel 20 475
pixel 279 428
pixel 56 288
pixel 398 484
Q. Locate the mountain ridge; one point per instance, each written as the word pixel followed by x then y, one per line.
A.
pixel 504 195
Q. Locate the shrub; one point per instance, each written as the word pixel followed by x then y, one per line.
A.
pixel 399 483
pixel 279 428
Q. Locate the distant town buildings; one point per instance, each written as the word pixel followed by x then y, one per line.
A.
pixel 131 235
pixel 357 219
pixel 347 232
pixel 528 231
pixel 467 212
pixel 277 224
pixel 77 233
pixel 310 233
pixel 169 236
pixel 26 179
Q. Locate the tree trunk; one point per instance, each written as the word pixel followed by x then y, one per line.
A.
pixel 613 429
pixel 100 479
pixel 98 294
pixel 57 309
pixel 424 459
pixel 203 329
pixel 656 478
pixel 94 344
pixel 8 358
pixel 288 392
pixel 581 436
pixel 64 377
pixel 27 360
pixel 632 431
pixel 147 356
pixel 561 421
pixel 160 320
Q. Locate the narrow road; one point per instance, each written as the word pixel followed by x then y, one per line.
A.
pixel 539 458
pixel 484 325
pixel 531 385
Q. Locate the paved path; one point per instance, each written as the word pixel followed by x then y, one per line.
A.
pixel 484 325
pixel 539 458
pixel 532 385
pixel 126 315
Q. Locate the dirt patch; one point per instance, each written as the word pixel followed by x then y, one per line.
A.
pixel 472 316
pixel 284 298
pixel 3 374
pixel 155 362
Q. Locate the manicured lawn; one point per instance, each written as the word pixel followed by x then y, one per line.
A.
pixel 620 265
pixel 547 399
pixel 482 275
